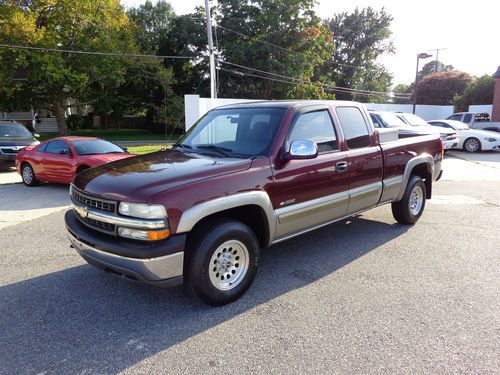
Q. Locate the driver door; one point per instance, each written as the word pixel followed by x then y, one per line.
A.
pixel 308 193
pixel 57 162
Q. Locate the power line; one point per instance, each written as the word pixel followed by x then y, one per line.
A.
pixel 43 49
pixel 297 80
pixel 294 82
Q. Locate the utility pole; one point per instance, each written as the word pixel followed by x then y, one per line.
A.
pixel 213 92
pixel 437 58
pixel 422 55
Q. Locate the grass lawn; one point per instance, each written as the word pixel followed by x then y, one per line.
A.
pixel 116 135
pixel 146 149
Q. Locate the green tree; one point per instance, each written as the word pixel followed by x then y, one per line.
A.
pixel 360 38
pixel 54 79
pixel 441 88
pixel 155 22
pixel 433 67
pixel 304 43
pixel 402 89
pixel 479 91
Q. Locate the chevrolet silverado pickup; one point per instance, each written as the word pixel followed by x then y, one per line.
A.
pixel 244 177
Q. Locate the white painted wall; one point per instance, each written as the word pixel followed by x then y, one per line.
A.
pixel 196 107
pixel 488 108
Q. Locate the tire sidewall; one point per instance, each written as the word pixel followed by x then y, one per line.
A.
pixel 414 181
pixel 200 256
pixel 33 178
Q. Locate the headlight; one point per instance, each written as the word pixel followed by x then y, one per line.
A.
pixel 143 211
pixel 491 139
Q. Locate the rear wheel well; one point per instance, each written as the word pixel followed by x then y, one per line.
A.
pixel 252 216
pixel 423 171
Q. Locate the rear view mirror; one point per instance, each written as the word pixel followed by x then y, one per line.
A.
pixel 302 150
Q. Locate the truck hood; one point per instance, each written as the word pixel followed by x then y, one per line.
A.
pixel 139 178
pixel 11 141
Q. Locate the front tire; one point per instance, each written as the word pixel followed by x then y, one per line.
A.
pixel 221 262
pixel 472 145
pixel 409 209
pixel 28 175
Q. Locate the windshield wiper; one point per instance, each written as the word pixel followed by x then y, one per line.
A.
pixel 222 150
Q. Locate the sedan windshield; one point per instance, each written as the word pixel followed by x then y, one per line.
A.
pixel 14 131
pixel 391 120
pixel 414 120
pixel 239 132
pixel 96 147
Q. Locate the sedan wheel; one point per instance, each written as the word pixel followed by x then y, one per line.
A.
pixel 472 145
pixel 28 175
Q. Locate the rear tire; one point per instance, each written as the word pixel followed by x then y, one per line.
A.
pixel 28 175
pixel 409 209
pixel 221 262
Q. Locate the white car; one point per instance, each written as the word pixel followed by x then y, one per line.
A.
pixel 471 140
pixel 449 137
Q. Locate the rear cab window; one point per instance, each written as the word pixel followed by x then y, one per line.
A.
pixel 354 126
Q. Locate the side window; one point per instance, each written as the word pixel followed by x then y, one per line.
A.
pixel 316 127
pixel 468 118
pixel 55 147
pixel 354 127
pixel 42 148
pixel 455 117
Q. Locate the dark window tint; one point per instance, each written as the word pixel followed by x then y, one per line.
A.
pixel 455 117
pixel 354 126
pixel 55 147
pixel 316 127
pixel 467 118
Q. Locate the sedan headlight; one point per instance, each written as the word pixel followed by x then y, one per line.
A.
pixel 492 139
pixel 143 211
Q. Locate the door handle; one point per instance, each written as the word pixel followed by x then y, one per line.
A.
pixel 341 166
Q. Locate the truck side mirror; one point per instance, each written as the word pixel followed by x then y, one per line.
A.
pixel 302 150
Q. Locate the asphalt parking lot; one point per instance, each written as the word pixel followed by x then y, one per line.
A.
pixel 365 295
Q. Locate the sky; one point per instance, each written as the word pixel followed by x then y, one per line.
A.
pixel 468 30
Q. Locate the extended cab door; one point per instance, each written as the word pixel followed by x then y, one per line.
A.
pixel 364 157
pixel 308 193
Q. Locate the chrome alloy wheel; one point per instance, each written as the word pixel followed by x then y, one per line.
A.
pixel 416 200
pixel 229 265
pixel 27 175
pixel 472 145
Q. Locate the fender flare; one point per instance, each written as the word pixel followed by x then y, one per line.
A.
pixel 193 215
pixel 412 163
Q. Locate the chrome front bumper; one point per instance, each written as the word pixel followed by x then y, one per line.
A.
pixel 161 271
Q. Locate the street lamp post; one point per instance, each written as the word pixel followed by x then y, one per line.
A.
pixel 419 56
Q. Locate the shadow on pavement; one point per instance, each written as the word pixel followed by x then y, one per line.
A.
pixel 82 320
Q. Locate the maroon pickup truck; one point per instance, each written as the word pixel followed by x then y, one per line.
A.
pixel 243 178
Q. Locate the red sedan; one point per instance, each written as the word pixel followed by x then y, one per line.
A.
pixel 61 159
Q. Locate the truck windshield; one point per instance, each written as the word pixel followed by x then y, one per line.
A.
pixel 238 132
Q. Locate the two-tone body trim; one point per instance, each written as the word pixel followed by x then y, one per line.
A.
pixel 391 189
pixel 425 159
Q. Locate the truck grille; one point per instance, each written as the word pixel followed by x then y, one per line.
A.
pixel 100 225
pixel 88 201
